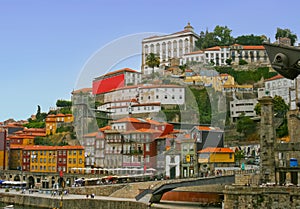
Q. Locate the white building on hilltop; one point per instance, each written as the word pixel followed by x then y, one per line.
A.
pixel 142 99
pixel 217 55
pixel 170 46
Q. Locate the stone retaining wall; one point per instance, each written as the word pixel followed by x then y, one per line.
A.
pixel 44 202
pixel 261 197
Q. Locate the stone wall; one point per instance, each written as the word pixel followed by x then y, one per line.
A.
pixel 261 197
pixel 44 202
pixel 246 179
pixel 105 190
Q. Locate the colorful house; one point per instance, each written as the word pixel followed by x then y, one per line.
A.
pixel 46 159
pixel 212 157
pixel 55 121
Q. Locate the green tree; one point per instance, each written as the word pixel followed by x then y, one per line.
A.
pixel 152 60
pixel 245 125
pixel 249 40
pixel 238 156
pixel 40 116
pixel 243 62
pixel 280 107
pixel 223 35
pixel 281 33
pixel 280 110
pixel 228 61
pixel 63 103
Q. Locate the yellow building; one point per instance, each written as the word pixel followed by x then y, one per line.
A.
pixel 75 158
pixel 51 124
pixel 220 155
pixel 55 121
pixel 15 157
pixel 51 159
pixel 217 81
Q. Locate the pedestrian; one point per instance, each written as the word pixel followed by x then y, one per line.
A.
pixel 87 196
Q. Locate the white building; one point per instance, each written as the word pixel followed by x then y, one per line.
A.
pixel 248 53
pixel 217 55
pixel 173 164
pixel 238 107
pixel 195 56
pixel 142 99
pixel 170 46
pixel 280 86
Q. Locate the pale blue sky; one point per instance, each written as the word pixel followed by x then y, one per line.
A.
pixel 45 44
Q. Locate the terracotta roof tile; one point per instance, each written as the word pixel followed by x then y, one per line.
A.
pixel 83 90
pixel 278 76
pixel 216 150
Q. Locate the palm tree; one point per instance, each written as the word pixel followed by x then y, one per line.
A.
pixel 152 61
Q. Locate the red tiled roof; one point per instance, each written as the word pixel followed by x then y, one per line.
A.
pixel 259 47
pixel 105 128
pixel 146 87
pixel 195 52
pixel 16 146
pixel 83 90
pixel 128 120
pixel 119 71
pixel 44 147
pixel 205 128
pixel 278 76
pixel 143 130
pixel 94 134
pixel 216 150
pixel 215 48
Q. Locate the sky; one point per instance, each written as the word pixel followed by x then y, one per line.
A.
pixel 47 47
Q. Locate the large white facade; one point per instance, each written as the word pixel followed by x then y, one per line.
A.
pixel 251 54
pixel 142 99
pixel 217 55
pixel 168 46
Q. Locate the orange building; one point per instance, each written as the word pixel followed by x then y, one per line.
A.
pixel 26 136
pixel 55 121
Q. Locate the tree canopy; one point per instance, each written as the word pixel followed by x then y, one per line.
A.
pixel 280 107
pixel 245 125
pixel 221 36
pixel 152 60
pixel 250 40
pixel 287 33
pixel 63 103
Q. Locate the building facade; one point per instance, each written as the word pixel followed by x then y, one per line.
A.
pixel 167 47
pixel 142 99
pixel 116 79
pixel 243 106
pixel 217 55
pixel 280 86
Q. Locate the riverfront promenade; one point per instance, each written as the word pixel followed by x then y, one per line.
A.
pixel 81 201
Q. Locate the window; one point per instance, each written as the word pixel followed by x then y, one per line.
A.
pixel 166 97
pixel 172 159
pixel 147 147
